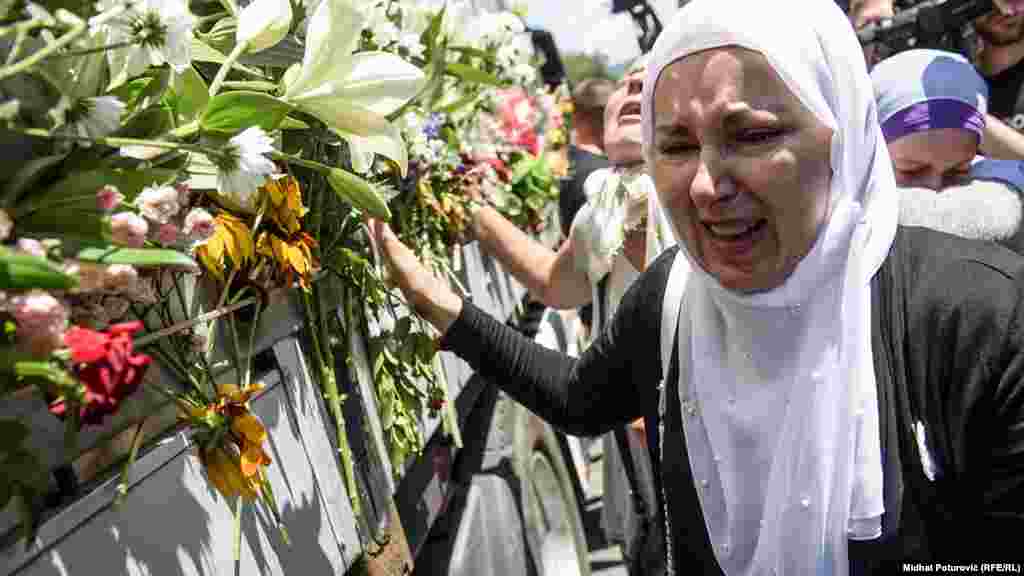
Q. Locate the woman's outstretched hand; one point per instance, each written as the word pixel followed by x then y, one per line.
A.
pixel 430 298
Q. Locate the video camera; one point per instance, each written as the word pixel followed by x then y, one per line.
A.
pixel 931 24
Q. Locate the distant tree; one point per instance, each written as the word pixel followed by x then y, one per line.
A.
pixel 579 66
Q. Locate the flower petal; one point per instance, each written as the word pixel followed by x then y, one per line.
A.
pixel 381 82
pixel 264 23
pixel 388 144
pixel 249 427
pixel 335 29
pixel 343 116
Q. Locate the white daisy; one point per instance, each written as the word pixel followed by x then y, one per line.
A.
pixel 246 168
pixel 158 31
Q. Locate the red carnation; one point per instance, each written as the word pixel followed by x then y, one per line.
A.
pixel 106 366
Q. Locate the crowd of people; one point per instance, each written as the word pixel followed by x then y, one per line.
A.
pixel 805 279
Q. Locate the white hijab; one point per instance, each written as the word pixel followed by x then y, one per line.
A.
pixel 778 388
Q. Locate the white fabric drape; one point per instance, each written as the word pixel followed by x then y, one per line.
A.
pixel 778 388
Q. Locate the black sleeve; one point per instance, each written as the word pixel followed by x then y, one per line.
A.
pixel 615 380
pixel 966 344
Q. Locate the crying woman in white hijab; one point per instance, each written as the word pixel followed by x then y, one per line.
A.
pixel 840 394
pixel 932 107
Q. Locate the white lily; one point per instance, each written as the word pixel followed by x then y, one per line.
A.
pixel 263 23
pixel 353 93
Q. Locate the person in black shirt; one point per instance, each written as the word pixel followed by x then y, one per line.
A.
pixel 999 58
pixel 586 154
pixel 831 393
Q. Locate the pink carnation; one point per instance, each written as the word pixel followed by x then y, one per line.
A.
pixel 199 225
pixel 129 229
pixel 167 234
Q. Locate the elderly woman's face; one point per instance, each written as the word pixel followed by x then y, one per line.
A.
pixel 741 166
pixel 933 159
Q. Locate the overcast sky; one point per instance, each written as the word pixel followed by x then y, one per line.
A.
pixel 587 26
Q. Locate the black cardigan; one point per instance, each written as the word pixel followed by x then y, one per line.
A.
pixel 948 346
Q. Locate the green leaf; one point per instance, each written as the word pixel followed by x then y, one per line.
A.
pixel 154 91
pixel 67 223
pixel 430 35
pixel 461 102
pixel 191 96
pixel 23 272
pixel 470 74
pixel 141 257
pixel 520 170
pixel 149 123
pixel 290 123
pixel 358 192
pixel 29 176
pixel 232 112
pixel 144 91
pixel 81 187
pixel 203 52
pixel 255 85
pixel 470 51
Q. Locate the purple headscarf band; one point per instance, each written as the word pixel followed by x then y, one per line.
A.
pixel 933 115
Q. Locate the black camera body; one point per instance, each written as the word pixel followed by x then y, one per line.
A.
pixel 941 24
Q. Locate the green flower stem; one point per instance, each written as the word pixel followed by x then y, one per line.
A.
pixel 292 159
pixel 122 486
pixel 237 52
pixel 185 130
pixel 334 401
pixel 78 27
pixel 21 32
pixel 88 51
pixel 239 503
pixel 252 341
pixel 76 30
pixel 204 20
pixel 16 212
pixel 220 304
pixel 230 6
pixel 119 142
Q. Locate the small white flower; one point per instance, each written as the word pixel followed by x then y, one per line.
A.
pixel 247 169
pixel 158 203
pixel 88 117
pixel 159 32
pixel 411 42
